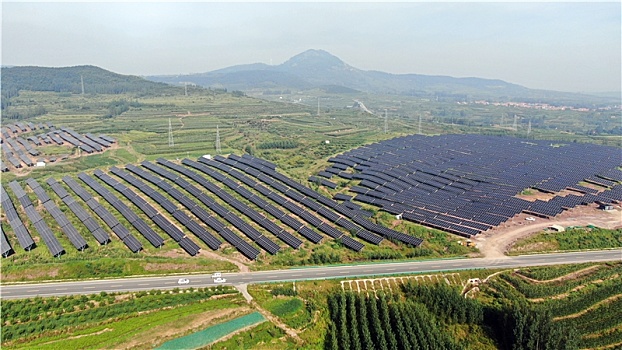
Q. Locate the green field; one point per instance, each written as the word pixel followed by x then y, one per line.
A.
pixel 576 305
pixel 571 239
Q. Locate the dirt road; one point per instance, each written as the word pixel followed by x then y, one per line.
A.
pixel 496 242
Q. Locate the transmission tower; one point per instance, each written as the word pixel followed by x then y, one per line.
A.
pixel 217 140
pixel 515 125
pixel 529 127
pixel 420 124
pixel 386 122
pixel 171 143
pixel 186 89
pixel 82 83
pixel 318 106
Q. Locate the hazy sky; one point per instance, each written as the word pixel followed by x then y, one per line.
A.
pixel 550 45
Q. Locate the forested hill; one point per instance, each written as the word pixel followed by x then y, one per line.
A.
pixel 69 79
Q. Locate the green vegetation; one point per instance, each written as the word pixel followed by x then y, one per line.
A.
pixel 264 336
pixel 420 317
pixel 498 316
pixel 292 311
pixel 209 335
pixel 38 321
pixel 585 301
pixel 121 265
pixel 571 239
pixel 551 272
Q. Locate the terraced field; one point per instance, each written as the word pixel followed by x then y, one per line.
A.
pixel 586 298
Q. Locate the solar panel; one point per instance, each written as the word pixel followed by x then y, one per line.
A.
pixel 132 243
pixel 5 247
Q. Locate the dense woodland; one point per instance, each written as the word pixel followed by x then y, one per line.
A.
pixel 419 319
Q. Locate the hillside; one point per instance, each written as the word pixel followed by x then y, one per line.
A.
pixel 316 68
pixel 69 79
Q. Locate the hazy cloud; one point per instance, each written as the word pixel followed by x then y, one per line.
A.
pixel 560 46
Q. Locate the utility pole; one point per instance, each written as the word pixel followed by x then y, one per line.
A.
pixel 318 106
pixel 217 140
pixel 515 125
pixel 82 83
pixel 171 143
pixel 386 122
pixel 419 123
pixel 186 89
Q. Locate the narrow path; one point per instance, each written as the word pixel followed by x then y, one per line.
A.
pixel 572 275
pixel 275 320
pixel 592 307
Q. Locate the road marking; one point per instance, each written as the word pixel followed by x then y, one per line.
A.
pixel 321 273
pixel 170 282
pixel 391 269
pixel 34 290
pixel 296 275
pixel 115 286
pixel 61 288
pixel 87 287
pixel 144 284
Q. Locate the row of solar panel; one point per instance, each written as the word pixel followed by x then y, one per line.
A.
pixel 54 246
pixel 178 236
pixel 296 210
pixel 244 247
pixel 333 205
pixel 100 235
pixel 248 230
pixel 70 231
pixel 119 230
pixel 306 201
pixel 23 236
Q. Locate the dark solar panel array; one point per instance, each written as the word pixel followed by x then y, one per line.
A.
pixel 258 218
pixel 466 184
pixel 173 231
pixel 297 193
pixel 5 247
pixel 138 223
pixel 54 246
pixel 21 232
pixel 100 235
pixel 232 218
pixel 67 227
pixel 267 174
pixel 241 245
pixel 269 208
pixel 121 231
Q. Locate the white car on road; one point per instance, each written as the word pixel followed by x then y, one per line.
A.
pixel 220 280
pixel 183 281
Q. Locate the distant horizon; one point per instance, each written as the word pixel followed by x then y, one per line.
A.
pixel 569 47
pixel 184 74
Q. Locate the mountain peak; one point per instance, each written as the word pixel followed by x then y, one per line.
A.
pixel 318 59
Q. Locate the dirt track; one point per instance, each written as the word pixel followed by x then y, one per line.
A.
pixel 496 242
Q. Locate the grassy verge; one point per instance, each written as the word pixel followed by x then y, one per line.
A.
pixel 572 239
pixel 109 267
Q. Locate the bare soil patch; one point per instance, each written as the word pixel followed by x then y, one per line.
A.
pixel 496 242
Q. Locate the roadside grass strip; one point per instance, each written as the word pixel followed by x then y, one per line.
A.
pixel 213 333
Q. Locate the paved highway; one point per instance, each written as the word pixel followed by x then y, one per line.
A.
pixel 16 291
